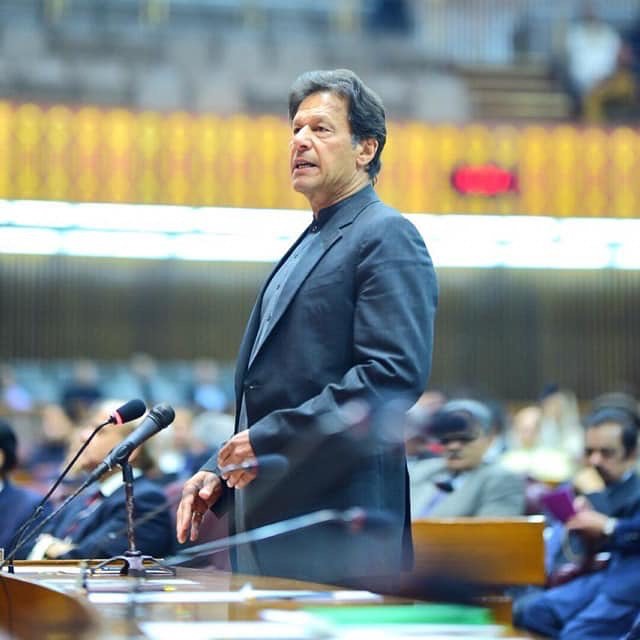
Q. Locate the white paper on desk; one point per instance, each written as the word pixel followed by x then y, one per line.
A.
pixel 227 630
pixel 242 595
pixel 422 631
pixel 288 631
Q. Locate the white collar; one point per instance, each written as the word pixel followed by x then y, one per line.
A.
pixel 114 482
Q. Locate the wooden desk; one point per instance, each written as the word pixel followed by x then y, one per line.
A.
pixel 44 601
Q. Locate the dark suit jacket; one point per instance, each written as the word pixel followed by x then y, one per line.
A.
pixel 16 505
pixel 100 531
pixel 354 321
pixel 622 500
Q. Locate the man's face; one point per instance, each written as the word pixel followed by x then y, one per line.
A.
pixel 605 453
pixel 102 443
pixel 325 164
pixel 464 450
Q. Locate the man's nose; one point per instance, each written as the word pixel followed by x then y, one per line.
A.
pixel 595 458
pixel 301 137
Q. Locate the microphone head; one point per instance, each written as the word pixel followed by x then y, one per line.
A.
pixel 358 519
pixel 272 464
pixel 129 411
pixel 162 414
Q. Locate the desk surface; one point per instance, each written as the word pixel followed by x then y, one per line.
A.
pixel 202 604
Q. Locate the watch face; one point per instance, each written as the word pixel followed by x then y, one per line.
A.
pixel 609 526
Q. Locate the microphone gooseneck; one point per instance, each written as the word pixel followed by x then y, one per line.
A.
pixel 130 410
pixel 158 418
pixel 355 519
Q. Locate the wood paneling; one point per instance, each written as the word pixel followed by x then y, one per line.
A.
pixel 502 332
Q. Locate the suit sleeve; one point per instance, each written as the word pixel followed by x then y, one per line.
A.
pixel 626 536
pixel 109 537
pixel 503 496
pixel 395 299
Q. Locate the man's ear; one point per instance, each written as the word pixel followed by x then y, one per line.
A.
pixel 2 459
pixel 368 148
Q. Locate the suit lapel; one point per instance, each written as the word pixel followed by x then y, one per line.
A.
pixel 465 496
pixel 330 233
pixel 312 256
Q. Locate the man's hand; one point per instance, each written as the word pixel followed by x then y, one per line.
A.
pixel 236 451
pixel 58 548
pixel 199 494
pixel 591 523
pixel 588 480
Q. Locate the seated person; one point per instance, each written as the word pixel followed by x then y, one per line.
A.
pixel 609 483
pixel 526 453
pixel 461 482
pixel 596 606
pixel 16 503
pixel 94 524
pixel 44 460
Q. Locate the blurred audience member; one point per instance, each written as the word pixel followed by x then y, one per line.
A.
pixel 526 453
pixel 144 370
pixel 81 391
pixel 14 398
pixel 592 49
pixel 561 427
pixel 206 394
pixel 418 444
pixel 461 482
pixel 94 525
pixel 390 16
pixel 598 606
pixel 172 448
pixel 607 484
pixel 49 450
pixel 209 429
pixel 497 433
pixel 16 503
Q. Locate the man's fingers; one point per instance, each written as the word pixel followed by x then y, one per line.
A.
pixel 240 479
pixel 198 494
pixel 196 521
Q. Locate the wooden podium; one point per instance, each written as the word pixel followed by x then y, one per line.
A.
pixel 49 600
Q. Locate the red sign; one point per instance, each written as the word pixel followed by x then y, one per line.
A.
pixel 483 180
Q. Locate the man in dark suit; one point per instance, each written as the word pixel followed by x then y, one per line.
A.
pixel 344 321
pixel 609 483
pixel 16 503
pixel 94 524
pixel 599 605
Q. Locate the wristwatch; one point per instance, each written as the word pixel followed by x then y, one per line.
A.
pixel 609 526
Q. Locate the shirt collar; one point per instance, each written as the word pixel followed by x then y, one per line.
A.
pixel 324 215
pixel 111 484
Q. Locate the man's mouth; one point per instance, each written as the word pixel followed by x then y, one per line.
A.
pixel 303 164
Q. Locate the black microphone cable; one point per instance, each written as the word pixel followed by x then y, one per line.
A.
pixel 129 411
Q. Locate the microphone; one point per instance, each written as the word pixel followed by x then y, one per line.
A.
pixel 130 410
pixel 355 519
pixel 273 464
pixel 158 418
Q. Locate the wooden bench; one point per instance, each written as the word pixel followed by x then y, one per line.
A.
pixel 488 555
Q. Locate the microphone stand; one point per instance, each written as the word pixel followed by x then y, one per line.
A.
pixel 132 559
pixel 353 518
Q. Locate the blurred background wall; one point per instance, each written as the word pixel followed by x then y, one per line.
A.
pixel 184 102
